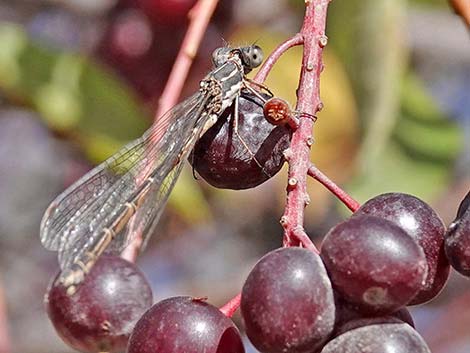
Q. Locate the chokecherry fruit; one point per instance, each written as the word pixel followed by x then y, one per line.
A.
pixel 378 338
pixel 420 221
pixel 287 302
pixel 457 243
pixel 101 314
pixel 185 325
pixel 244 157
pixel 374 264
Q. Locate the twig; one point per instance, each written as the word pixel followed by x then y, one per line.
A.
pixel 462 8
pixel 264 70
pixel 199 16
pixel 344 197
pixel 232 306
pixel 5 346
pixel 312 35
pixel 308 102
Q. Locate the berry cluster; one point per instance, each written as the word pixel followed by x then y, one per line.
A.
pixel 389 254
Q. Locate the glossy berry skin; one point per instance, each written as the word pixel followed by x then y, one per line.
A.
pixel 229 160
pixel 287 302
pixel 457 243
pixel 374 264
pixel 378 338
pixel 185 325
pixel 100 316
pixel 420 221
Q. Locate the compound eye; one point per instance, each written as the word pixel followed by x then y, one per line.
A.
pixel 253 56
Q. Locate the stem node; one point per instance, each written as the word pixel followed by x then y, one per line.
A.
pixel 292 182
pixel 323 41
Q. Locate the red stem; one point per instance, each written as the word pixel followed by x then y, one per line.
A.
pixel 308 102
pixel 317 174
pixel 264 70
pixel 312 35
pixel 232 306
pixel 200 16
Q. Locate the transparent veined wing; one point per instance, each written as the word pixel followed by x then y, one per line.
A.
pixel 75 220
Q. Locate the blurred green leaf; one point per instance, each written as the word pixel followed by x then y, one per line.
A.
pixel 423 130
pixel 73 94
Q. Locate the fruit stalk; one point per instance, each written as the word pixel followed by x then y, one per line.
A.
pixel 344 197
pixel 230 307
pixel 312 35
pixel 264 70
pixel 309 104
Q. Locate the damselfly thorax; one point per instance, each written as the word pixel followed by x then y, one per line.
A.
pixel 122 198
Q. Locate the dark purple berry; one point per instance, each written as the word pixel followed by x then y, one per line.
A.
pixel 101 314
pixel 374 263
pixel 457 243
pixel 287 302
pixel 420 221
pixel 230 160
pixel 463 207
pixel 378 338
pixel 185 325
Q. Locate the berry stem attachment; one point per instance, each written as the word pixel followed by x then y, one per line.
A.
pixel 308 101
pixel 342 195
pixel 305 241
pixel 231 306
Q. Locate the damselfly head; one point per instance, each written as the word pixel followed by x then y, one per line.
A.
pixel 250 56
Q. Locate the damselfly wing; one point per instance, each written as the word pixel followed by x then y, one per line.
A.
pixel 124 196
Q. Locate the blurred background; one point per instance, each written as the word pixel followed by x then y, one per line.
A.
pixel 79 78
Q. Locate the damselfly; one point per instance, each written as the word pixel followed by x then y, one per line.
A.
pixel 123 197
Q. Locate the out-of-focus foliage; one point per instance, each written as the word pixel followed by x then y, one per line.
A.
pixel 423 129
pixel 73 94
pixel 407 144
